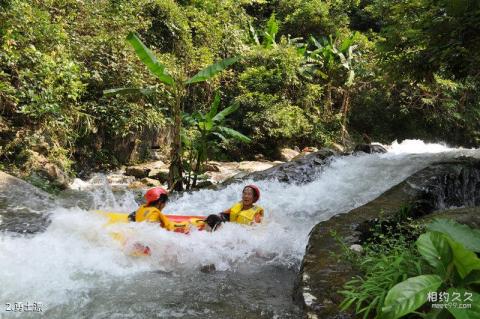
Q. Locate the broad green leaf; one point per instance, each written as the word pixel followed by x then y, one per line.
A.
pixel 129 91
pixel 235 134
pixel 464 259
pixel 470 308
pixel 211 70
pixel 346 44
pixel 149 59
pixel 205 126
pixel 214 106
pixel 223 138
pixel 468 237
pixel 434 247
pixel 226 112
pixel 270 32
pixel 409 295
pixel 272 26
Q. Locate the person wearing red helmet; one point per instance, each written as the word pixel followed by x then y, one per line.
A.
pixel 156 198
pixel 244 212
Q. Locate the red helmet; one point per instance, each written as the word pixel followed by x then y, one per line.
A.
pixel 154 194
pixel 256 190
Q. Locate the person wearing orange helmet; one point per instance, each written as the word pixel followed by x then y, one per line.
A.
pixel 244 212
pixel 156 198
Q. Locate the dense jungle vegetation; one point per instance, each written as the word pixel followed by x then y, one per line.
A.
pixel 309 72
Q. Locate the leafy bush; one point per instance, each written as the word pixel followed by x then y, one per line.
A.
pixel 444 262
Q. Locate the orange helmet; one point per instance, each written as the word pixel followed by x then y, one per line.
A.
pixel 256 190
pixel 154 194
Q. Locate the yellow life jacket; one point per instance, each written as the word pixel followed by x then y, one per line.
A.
pixel 247 216
pixel 154 215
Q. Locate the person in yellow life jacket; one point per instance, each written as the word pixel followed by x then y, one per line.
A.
pixel 156 198
pixel 244 212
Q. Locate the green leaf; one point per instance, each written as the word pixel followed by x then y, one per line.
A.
pixel 212 70
pixel 223 138
pixel 468 237
pixel 149 59
pixel 434 247
pixel 473 312
pixel 464 259
pixel 272 26
pixel 409 295
pixel 226 112
pixel 235 134
pixel 128 91
pixel 270 31
pixel 214 106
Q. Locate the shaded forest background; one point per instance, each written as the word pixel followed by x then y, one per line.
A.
pixel 311 73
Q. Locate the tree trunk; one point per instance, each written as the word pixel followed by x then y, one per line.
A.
pixel 175 178
pixel 345 106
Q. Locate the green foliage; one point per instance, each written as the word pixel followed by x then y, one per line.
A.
pixel 468 237
pixel 211 70
pixel 149 59
pixel 384 267
pixel 391 69
pixel 409 295
pixel 451 267
pixel 204 130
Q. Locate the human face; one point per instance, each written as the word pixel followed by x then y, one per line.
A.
pixel 248 196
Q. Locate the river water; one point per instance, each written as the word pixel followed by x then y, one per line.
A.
pixel 72 268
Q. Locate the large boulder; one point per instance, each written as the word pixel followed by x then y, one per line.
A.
pixel 287 154
pixel 137 172
pixel 23 207
pixel 40 165
pixel 300 170
pixel 322 274
pixel 370 148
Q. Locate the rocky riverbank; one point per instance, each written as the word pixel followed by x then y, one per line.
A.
pixel 439 186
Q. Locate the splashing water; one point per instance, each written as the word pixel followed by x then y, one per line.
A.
pixel 75 267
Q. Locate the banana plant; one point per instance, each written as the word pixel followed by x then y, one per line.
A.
pixel 211 127
pixel 177 88
pixel 325 63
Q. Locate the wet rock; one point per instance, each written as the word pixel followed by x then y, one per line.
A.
pixel 356 248
pixel 20 215
pixel 136 185
pixel 370 148
pixel 44 168
pixel 138 172
pixel 159 174
pixel 337 147
pixel 259 157
pixel 208 268
pixel 204 184
pixel 41 148
pixel 55 175
pixel 252 166
pixel 300 170
pixel 323 274
pixel 210 167
pixel 287 154
pixel 150 182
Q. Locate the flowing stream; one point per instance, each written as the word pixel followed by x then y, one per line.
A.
pixel 74 269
